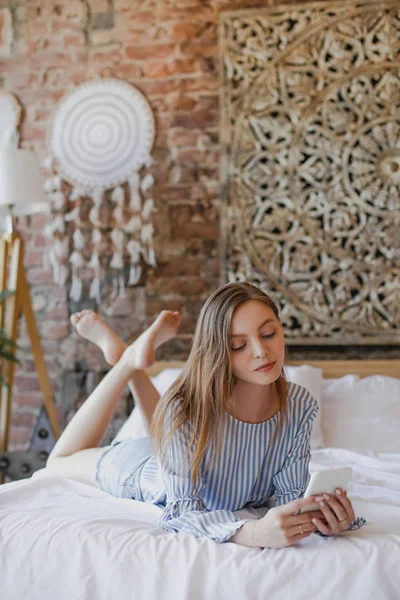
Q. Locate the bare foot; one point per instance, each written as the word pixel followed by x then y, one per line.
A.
pixel 141 354
pixel 90 326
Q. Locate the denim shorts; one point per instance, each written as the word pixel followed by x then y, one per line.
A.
pixel 119 466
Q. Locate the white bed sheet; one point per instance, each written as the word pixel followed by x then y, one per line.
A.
pixel 63 540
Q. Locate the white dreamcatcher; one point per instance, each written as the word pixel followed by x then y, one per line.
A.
pixel 101 138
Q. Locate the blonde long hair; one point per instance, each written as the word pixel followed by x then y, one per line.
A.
pixel 203 392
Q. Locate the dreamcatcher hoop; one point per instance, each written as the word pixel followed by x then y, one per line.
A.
pixel 102 132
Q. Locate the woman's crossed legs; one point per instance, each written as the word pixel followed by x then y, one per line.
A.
pixel 75 454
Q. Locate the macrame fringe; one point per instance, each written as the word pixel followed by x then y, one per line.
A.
pixel 131 237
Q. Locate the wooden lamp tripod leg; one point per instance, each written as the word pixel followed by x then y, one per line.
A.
pixel 44 380
pixel 12 253
pixel 11 259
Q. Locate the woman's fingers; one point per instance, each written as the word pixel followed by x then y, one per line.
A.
pixel 347 505
pixel 338 511
pixel 296 520
pixel 331 505
pixel 301 530
pixel 322 527
pixel 293 507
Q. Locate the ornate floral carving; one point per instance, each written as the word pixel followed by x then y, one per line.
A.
pixel 311 129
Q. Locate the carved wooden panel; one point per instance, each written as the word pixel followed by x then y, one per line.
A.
pixel 311 135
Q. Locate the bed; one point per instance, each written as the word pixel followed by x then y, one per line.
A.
pixel 64 540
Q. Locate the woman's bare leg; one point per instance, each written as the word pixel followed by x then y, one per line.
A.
pixel 90 326
pixel 75 454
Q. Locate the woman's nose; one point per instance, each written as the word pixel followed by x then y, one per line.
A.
pixel 259 350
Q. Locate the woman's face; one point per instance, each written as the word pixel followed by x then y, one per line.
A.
pixel 257 343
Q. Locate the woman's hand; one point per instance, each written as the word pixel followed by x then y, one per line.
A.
pixel 338 513
pixel 281 527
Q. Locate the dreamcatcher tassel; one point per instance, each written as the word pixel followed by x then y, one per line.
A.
pixel 148 208
pixel 73 215
pixel 56 225
pixel 152 257
pixel 53 258
pixel 52 184
pixel 58 200
pixel 94 212
pixel 146 235
pixel 94 262
pixel 79 240
pixel 97 195
pixel 118 195
pixel 121 286
pixel 61 248
pixel 62 275
pixel 134 225
pixel 135 201
pixel 77 192
pixel 117 261
pixel 76 259
pixel 96 237
pixel 94 292
pixel 147 182
pixel 135 274
pixel 94 216
pixel 117 237
pixel 76 288
pixel 133 248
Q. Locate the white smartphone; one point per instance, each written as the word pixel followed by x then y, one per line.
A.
pixel 326 482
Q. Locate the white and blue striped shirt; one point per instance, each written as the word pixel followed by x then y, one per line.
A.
pixel 248 471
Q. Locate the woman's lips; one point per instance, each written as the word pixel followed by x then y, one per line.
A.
pixel 265 368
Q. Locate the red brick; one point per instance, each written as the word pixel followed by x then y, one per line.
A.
pixel 54 330
pixel 33 259
pixel 23 420
pixel 152 51
pixel 36 276
pixel 183 31
pixel 26 383
pixel 179 136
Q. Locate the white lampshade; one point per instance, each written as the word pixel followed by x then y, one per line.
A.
pixel 21 183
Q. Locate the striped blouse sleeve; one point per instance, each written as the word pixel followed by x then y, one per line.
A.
pixel 185 510
pixel 291 481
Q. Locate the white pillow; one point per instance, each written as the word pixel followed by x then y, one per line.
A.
pixel 311 379
pixel 362 414
pixel 308 377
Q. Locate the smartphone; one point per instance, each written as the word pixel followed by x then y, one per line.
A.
pixel 326 482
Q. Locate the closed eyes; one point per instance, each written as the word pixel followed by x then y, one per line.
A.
pixel 266 337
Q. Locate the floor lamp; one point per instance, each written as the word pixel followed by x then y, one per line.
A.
pixel 21 193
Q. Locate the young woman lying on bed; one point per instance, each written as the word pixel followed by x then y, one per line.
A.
pixel 229 434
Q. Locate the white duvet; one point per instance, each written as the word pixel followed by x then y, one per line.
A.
pixel 63 540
